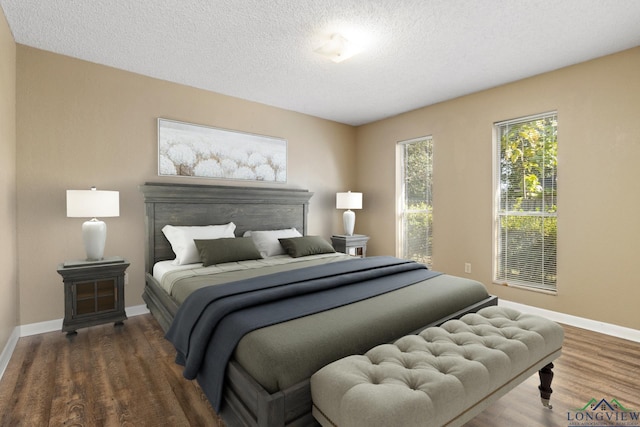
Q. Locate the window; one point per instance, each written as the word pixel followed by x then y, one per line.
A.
pixel 415 224
pixel 526 201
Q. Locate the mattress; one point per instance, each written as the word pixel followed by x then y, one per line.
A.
pixel 163 267
pixel 180 281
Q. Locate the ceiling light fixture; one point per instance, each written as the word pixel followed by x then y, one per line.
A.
pixel 337 48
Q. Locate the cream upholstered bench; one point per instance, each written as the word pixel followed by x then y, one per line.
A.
pixel 446 375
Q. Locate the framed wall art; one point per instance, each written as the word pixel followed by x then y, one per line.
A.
pixel 186 149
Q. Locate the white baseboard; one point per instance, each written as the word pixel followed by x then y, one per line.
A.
pixel 40 327
pixel 43 327
pixel 579 322
pixel 136 310
pixel 5 356
pixel 56 325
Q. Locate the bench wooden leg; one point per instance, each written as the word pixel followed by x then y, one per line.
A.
pixel 546 376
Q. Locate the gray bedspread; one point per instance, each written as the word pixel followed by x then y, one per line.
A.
pixel 212 320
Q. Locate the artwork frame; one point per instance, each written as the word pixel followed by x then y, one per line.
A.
pixel 200 151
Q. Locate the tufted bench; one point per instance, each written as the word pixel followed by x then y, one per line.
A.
pixel 446 375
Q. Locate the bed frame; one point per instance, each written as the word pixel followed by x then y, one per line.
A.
pixel 245 402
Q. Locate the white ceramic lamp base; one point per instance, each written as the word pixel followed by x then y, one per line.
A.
pixel 94 235
pixel 349 222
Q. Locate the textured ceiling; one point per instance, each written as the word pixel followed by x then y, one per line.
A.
pixel 416 52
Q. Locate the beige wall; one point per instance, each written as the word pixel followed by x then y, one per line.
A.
pixel 598 104
pixel 81 124
pixel 8 252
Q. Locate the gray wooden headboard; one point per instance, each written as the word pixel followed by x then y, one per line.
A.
pixel 250 208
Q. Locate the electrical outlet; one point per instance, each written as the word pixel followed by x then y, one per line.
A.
pixel 467 267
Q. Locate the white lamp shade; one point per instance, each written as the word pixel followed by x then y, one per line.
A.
pixel 349 200
pixel 92 203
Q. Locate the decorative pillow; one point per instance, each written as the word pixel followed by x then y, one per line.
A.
pixel 181 239
pixel 218 251
pixel 308 245
pixel 267 241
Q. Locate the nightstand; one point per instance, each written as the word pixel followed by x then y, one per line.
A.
pixel 93 293
pixel 353 245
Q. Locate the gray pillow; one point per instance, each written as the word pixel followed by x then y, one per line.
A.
pixel 303 246
pixel 218 251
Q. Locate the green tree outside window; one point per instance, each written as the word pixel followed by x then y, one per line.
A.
pixel 527 206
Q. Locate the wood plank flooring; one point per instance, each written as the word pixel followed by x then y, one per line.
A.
pixel 126 376
pixel 104 376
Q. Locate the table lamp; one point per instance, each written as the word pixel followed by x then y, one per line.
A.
pixel 91 204
pixel 349 201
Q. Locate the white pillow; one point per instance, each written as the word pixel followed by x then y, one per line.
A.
pixel 267 241
pixel 181 239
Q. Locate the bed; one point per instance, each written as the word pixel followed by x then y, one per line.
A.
pixel 249 398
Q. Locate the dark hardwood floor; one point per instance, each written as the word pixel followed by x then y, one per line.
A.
pixel 104 376
pixel 126 376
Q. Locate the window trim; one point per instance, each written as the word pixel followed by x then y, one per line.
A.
pixel 496 205
pixel 400 195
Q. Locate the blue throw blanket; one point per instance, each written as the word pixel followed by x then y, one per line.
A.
pixel 212 320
